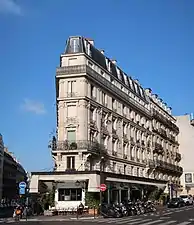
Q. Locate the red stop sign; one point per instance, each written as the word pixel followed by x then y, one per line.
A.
pixel 103 187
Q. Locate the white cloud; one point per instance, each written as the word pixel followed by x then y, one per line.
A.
pixel 33 106
pixel 10 6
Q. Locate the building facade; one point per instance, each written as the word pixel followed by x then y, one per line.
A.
pixel 13 173
pixel 109 130
pixel 1 164
pixel 186 140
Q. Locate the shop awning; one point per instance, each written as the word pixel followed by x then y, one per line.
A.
pixel 159 185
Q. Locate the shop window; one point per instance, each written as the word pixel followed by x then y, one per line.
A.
pixel 74 194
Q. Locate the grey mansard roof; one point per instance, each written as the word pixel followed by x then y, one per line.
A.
pixel 78 44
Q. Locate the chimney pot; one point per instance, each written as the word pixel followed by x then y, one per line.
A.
pixel 102 51
pixel 91 41
pixel 114 61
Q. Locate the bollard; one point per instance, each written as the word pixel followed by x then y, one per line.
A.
pixel 77 213
pixel 94 212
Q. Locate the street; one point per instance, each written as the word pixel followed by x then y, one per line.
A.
pixel 179 216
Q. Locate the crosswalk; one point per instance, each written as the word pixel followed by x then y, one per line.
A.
pixel 141 221
pixel 152 219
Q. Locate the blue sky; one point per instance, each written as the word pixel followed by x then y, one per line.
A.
pixel 152 40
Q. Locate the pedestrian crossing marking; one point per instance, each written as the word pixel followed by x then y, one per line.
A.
pixel 141 221
pixel 152 222
pixel 126 220
pixel 184 223
pixel 167 223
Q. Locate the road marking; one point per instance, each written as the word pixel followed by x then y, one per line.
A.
pixel 167 223
pixel 152 222
pixel 167 213
pixel 164 217
pixel 127 220
pixel 141 221
pixel 184 223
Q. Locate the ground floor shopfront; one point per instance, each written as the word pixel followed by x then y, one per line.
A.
pixel 71 188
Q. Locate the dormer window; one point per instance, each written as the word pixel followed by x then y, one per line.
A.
pixel 118 73
pixel 74 45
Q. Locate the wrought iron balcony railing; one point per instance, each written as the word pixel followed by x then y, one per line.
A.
pixel 168 166
pixel 88 71
pixel 167 122
pixel 93 147
pixel 177 157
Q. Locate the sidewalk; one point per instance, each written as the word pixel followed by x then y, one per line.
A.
pixel 50 218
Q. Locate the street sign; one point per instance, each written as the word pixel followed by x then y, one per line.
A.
pixel 22 191
pixel 103 187
pixel 22 184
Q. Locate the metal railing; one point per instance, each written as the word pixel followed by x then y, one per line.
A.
pixel 77 145
pixel 164 120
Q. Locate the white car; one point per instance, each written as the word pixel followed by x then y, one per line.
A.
pixel 188 199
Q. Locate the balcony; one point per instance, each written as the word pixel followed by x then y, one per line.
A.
pixel 91 146
pixel 158 149
pixel 125 156
pixel 177 157
pixel 163 133
pixel 125 138
pixel 104 129
pixel 93 125
pixel 138 143
pixel 164 120
pixel 92 74
pixel 168 167
pixel 132 141
pixel 114 134
pixel 114 153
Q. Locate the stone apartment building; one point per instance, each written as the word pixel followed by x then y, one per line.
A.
pixel 109 130
pixel 1 164
pixel 186 141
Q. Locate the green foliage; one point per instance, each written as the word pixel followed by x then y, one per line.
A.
pixel 48 199
pixel 156 194
pixel 92 199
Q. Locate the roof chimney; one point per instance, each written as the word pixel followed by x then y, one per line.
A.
pixel 102 51
pixel 114 61
pixel 91 41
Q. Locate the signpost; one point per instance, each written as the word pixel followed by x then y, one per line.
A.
pixel 22 188
pixel 103 187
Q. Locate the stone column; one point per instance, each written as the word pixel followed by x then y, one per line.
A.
pixel 119 197
pixel 129 193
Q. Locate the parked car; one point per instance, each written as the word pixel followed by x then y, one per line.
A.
pixel 175 203
pixel 188 199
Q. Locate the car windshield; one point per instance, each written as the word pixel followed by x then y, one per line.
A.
pixel 183 196
pixel 175 199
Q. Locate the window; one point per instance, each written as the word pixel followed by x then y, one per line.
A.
pixel 70 162
pixel 71 88
pixel 114 104
pixel 70 194
pixel 71 135
pixel 132 169
pixel 104 98
pixel 124 110
pixel 137 172
pixel 125 166
pixel 74 45
pixel 114 166
pixel 188 178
